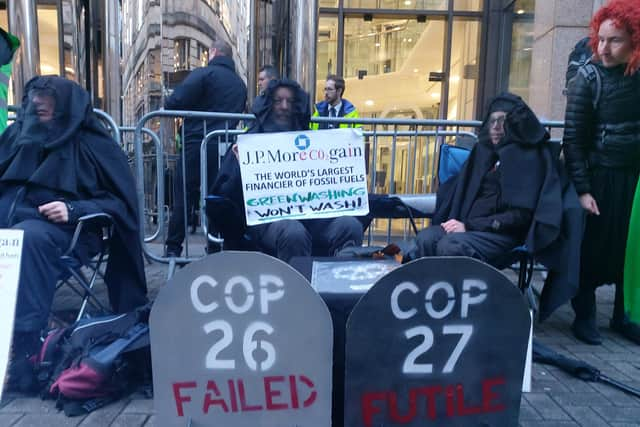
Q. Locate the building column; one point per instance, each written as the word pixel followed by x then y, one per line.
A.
pixel 111 61
pixel 302 48
pixel 23 22
pixel 559 25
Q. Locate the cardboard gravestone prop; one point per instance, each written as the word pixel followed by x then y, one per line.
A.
pixel 439 341
pixel 241 339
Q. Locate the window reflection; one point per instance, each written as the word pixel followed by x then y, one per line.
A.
pixel 327 47
pixel 387 64
pixel 48 39
pixel 470 5
pixel 463 77
pixel 398 4
pixel 524 6
pixel 520 67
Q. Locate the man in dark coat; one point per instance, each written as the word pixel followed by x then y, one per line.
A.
pixel 58 163
pixel 214 88
pixel 286 108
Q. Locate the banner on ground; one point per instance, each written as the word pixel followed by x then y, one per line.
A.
pixel 303 175
pixel 10 253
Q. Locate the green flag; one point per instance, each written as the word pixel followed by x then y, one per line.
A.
pixel 632 264
pixel 5 73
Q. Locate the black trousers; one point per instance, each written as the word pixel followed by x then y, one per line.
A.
pixel 485 246
pixel 176 231
pixel 40 269
pixel 289 238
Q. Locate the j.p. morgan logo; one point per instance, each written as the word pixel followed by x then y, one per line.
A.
pixel 303 151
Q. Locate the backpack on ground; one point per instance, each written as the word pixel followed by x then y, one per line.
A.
pixel 580 62
pixel 93 362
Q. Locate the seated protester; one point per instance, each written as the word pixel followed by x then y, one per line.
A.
pixel 286 108
pixel 58 163
pixel 493 205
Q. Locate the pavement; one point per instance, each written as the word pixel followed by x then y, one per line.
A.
pixel 556 399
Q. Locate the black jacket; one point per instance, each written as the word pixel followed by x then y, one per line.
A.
pixel 81 164
pixel 606 135
pixel 214 88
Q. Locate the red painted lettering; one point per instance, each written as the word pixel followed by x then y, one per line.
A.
pixel 430 394
pixel 179 398
pixel 488 396
pixel 393 408
pixel 314 394
pixel 294 392
pixel 243 399
pixel 208 401
pixel 269 393
pixel 232 396
pixel 368 408
pixel 462 410
pixel 449 393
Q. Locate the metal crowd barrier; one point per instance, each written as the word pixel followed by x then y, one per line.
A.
pixel 409 144
pixel 154 207
pixel 140 177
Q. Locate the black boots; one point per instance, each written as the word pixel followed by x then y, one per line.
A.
pixel 620 322
pixel 21 375
pixel 584 326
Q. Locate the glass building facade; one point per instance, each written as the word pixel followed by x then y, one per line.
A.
pixel 400 58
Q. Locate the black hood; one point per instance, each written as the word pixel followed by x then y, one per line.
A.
pixel 300 111
pixel 521 124
pixel 30 139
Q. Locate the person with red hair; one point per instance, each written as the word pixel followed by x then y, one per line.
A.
pixel 601 146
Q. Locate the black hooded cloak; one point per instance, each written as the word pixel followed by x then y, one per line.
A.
pixel 75 160
pixel 529 179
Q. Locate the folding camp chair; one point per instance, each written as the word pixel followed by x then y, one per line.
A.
pixel 81 278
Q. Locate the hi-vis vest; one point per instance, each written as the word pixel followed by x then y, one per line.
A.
pixel 5 74
pixel 348 111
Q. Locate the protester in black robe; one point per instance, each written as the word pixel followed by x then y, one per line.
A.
pixel 489 208
pixel 510 192
pixel 58 163
pixel 285 108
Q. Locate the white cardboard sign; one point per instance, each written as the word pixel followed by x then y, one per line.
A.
pixel 10 254
pixel 303 175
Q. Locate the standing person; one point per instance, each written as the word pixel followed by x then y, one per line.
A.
pixel 334 105
pixel 8 46
pixel 214 88
pixel 286 109
pixel 266 74
pixel 602 152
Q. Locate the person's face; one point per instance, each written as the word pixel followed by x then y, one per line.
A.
pixel 331 95
pixel 496 126
pixel 263 80
pixel 614 44
pixel 45 106
pixel 283 100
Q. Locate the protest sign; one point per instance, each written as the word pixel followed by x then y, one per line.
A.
pixel 303 175
pixel 439 341
pixel 10 254
pixel 234 345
